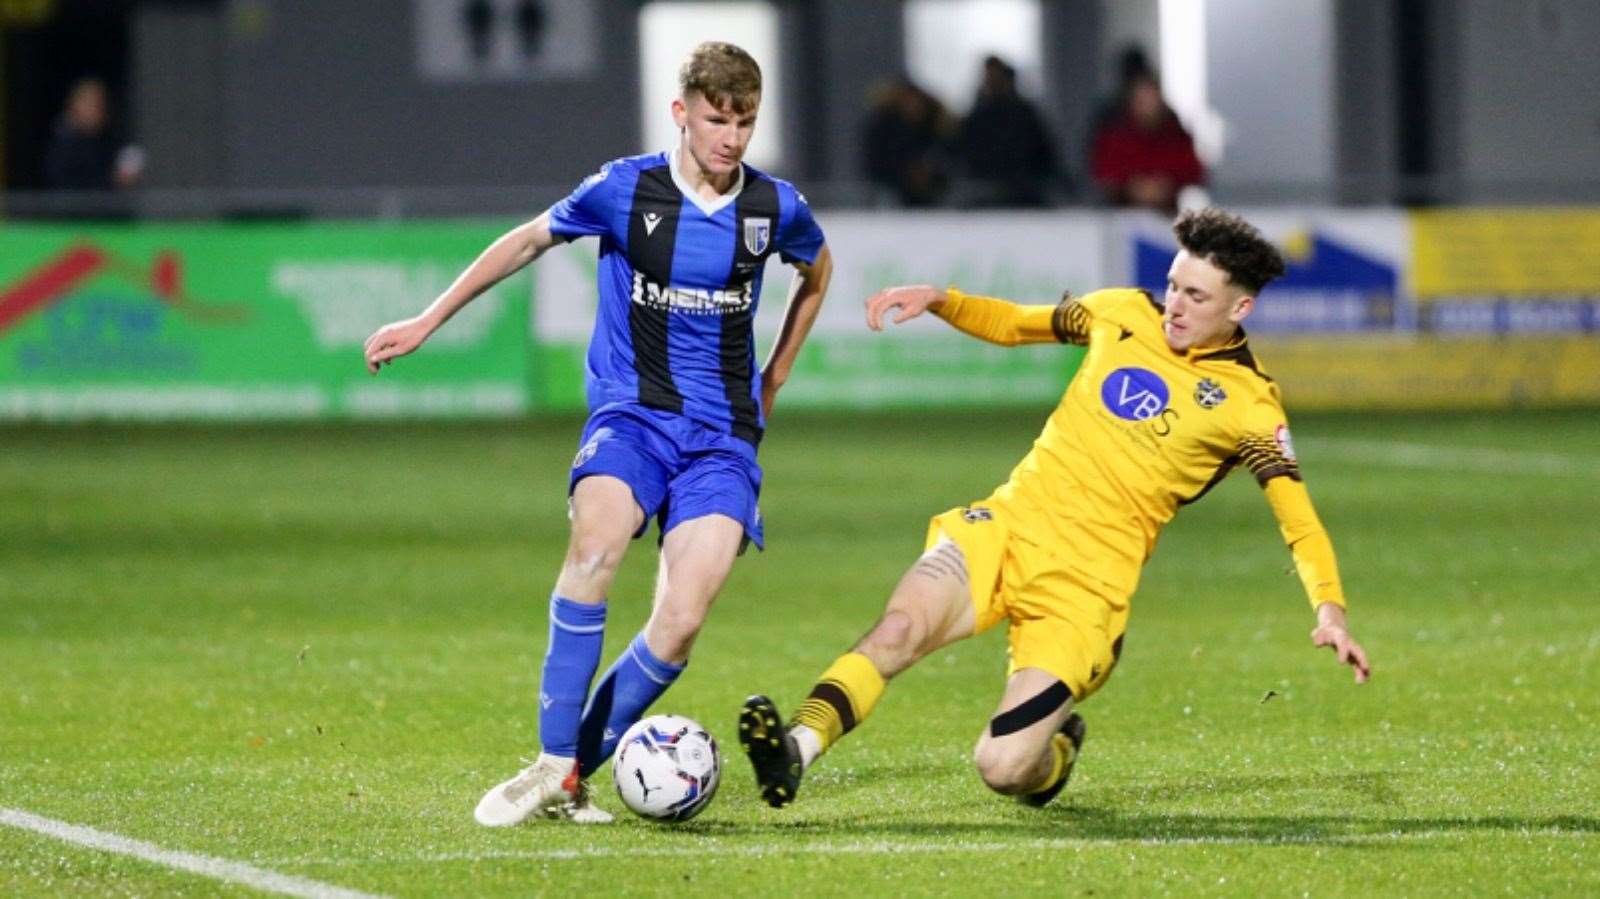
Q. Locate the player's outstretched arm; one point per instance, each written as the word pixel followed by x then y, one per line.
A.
pixel 908 302
pixel 806 291
pixel 986 318
pixel 1332 631
pixel 503 258
pixel 1319 571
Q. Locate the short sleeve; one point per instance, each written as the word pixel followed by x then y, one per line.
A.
pixel 1265 446
pixel 587 211
pixel 799 237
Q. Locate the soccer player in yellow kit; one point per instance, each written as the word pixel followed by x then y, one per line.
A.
pixel 1167 401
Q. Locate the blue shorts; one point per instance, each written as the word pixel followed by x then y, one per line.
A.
pixel 678 468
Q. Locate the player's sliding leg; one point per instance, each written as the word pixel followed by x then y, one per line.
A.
pixel 1032 742
pixel 604 519
pixel 696 557
pixel 929 609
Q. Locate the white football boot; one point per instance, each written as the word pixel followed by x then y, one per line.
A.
pixel 550 783
pixel 581 810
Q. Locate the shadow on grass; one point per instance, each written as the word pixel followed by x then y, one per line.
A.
pixel 1096 824
pixel 1376 787
pixel 1113 815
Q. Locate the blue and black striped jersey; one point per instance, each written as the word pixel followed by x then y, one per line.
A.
pixel 679 282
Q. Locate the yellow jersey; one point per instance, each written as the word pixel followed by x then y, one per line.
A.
pixel 1141 431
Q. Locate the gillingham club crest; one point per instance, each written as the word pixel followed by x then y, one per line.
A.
pixel 1208 394
pixel 757 234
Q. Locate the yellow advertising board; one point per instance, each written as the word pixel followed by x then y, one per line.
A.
pixel 1432 372
pixel 1512 253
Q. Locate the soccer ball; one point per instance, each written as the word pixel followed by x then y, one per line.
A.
pixel 667 768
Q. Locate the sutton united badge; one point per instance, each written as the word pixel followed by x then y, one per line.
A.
pixel 1208 394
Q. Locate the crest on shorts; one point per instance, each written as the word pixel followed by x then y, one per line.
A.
pixel 757 234
pixel 976 514
pixel 590 448
pixel 1208 394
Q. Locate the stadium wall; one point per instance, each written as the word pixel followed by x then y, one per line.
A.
pixel 1381 308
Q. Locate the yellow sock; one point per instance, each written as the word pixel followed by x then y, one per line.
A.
pixel 1061 755
pixel 843 697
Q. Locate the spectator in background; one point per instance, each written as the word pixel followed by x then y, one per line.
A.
pixel 477 16
pixel 1007 150
pixel 82 154
pixel 1132 64
pixel 906 141
pixel 1140 154
pixel 531 23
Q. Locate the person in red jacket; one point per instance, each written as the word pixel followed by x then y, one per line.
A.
pixel 1141 155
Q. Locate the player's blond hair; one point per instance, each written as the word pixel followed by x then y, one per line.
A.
pixel 724 74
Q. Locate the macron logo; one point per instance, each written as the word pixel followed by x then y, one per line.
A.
pixel 651 220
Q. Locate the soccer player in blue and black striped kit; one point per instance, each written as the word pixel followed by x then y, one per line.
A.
pixel 677 405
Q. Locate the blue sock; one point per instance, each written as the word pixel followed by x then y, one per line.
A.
pixel 630 685
pixel 577 631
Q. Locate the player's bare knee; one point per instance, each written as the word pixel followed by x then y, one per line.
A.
pixel 897 635
pixel 594 556
pixel 1004 766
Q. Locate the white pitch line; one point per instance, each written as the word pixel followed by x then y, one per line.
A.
pixel 899 848
pixel 204 865
pixel 1454 458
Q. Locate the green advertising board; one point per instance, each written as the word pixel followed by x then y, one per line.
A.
pixel 249 321
pixel 1028 257
pixel 267 321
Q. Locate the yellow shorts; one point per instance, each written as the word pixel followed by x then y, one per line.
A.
pixel 1061 620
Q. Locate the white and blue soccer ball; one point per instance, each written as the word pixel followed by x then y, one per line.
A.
pixel 667 768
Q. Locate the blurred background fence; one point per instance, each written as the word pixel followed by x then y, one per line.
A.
pixel 264 182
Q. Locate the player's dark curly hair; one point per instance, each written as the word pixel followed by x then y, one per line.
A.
pixel 722 73
pixel 1231 244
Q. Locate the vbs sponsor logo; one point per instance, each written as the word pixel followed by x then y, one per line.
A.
pixel 346 301
pixel 1134 394
pixel 106 313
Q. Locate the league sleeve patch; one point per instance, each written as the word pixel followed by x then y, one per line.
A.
pixel 1285 444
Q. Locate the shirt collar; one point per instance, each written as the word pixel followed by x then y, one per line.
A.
pixel 1237 342
pixel 708 207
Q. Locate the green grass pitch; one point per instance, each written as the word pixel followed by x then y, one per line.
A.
pixel 311 649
